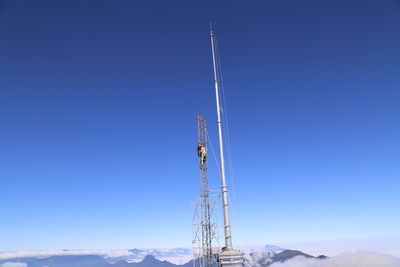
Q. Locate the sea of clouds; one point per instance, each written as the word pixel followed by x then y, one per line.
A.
pixel 107 253
pixel 359 259
pixel 175 256
pixel 14 264
pixel 389 245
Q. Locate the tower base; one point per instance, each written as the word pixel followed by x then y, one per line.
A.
pixel 230 258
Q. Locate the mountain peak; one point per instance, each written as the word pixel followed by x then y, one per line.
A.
pixel 150 259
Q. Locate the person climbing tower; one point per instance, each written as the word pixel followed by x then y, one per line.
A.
pixel 202 153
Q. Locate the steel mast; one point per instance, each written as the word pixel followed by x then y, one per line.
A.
pixel 224 189
pixel 228 256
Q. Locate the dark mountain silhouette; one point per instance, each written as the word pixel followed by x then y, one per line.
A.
pixel 288 254
pixel 284 256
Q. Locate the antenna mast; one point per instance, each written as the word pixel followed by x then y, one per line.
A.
pixel 228 256
pixel 227 224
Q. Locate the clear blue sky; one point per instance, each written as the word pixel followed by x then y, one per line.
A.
pixel 98 105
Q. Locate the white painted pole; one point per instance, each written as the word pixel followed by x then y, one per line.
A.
pixel 224 189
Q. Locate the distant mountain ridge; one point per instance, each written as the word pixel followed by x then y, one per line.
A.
pixel 89 261
pixel 272 254
pixel 261 257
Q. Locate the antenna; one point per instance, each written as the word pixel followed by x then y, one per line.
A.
pixel 224 188
pixel 228 256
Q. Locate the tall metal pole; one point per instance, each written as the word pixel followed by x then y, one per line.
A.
pixel 227 225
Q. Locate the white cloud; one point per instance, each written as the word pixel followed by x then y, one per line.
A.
pixel 48 253
pixel 111 255
pixel 389 245
pixel 14 264
pixel 359 259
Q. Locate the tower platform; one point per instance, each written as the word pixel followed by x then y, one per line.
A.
pixel 230 258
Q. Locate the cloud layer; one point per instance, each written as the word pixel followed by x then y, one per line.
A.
pixel 176 256
pixel 359 259
pixel 384 244
pixel 48 253
pixel 13 264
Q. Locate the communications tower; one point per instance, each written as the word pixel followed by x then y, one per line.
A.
pixel 204 227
